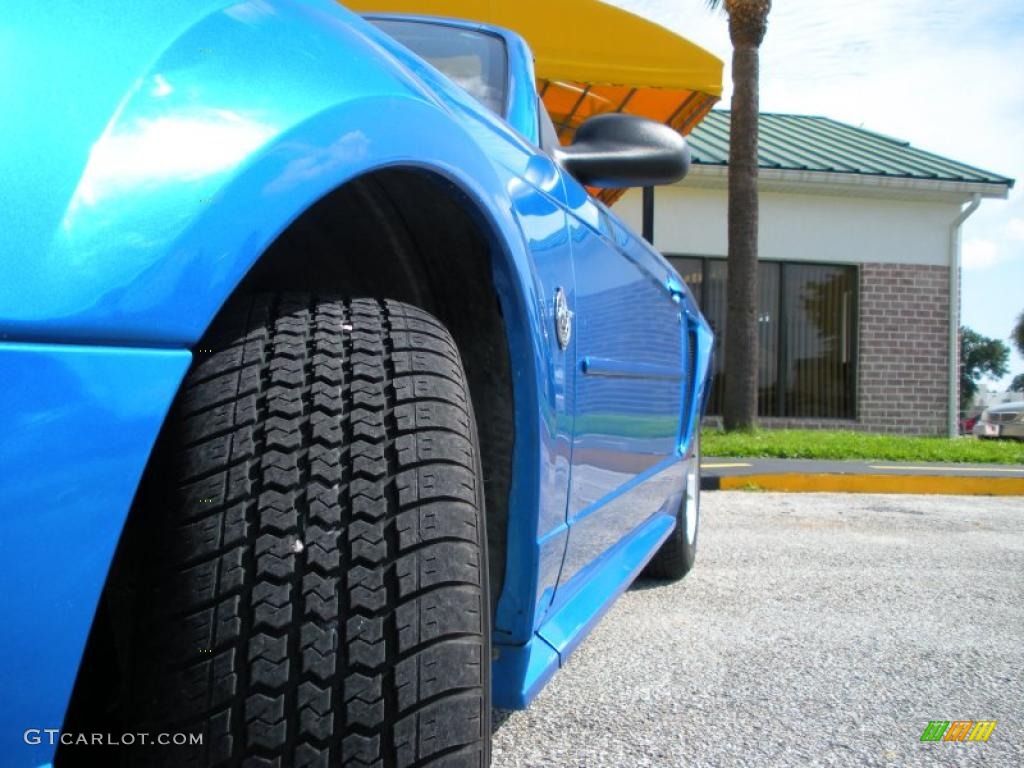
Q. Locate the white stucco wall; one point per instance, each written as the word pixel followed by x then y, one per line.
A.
pixel 800 226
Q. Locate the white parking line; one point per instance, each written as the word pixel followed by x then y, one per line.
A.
pixel 722 466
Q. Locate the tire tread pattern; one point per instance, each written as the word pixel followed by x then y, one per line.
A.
pixel 318 577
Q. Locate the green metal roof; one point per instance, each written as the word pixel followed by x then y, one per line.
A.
pixel 811 143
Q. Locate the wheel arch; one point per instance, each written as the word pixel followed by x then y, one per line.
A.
pixel 412 233
pixel 447 255
pixel 305 172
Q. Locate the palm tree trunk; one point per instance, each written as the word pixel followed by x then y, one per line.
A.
pixel 740 408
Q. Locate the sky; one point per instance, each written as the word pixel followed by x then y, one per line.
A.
pixel 946 76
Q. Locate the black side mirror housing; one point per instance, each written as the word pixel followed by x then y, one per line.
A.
pixel 617 150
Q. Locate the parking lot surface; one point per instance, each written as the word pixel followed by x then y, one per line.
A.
pixel 816 629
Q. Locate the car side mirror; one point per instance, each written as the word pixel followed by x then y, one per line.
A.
pixel 616 150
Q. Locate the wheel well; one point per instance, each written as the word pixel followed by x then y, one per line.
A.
pixel 400 233
pixel 412 235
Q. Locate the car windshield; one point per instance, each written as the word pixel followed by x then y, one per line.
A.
pixel 474 60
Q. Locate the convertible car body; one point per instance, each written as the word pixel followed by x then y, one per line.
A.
pixel 164 161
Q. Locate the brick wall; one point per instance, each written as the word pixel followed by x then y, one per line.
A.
pixel 904 355
pixel 903 338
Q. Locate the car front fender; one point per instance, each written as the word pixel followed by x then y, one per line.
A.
pixel 250 115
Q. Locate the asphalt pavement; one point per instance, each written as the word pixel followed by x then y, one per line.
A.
pixel 816 629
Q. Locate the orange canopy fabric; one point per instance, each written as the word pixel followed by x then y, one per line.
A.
pixel 593 58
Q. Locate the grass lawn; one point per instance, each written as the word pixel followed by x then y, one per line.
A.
pixel 814 444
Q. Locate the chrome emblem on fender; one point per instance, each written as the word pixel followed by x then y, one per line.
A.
pixel 563 319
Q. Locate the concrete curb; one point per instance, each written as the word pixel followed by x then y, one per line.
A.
pixel 799 482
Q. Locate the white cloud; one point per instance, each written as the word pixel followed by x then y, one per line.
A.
pixel 979 254
pixel 1015 229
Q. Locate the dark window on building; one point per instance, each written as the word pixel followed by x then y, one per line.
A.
pixel 806 317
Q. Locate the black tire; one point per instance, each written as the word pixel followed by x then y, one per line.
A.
pixel 319 566
pixel 676 556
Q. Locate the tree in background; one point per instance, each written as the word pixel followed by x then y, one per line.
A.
pixel 1017 385
pixel 748 22
pixel 1018 333
pixel 979 356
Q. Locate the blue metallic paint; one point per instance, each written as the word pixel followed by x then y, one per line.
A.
pixel 527 582
pixel 607 576
pixel 137 253
pixel 127 230
pixel 628 423
pixel 601 366
pixel 76 426
pixel 521 671
pixel 701 377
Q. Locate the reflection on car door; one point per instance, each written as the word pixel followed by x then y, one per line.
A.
pixel 629 381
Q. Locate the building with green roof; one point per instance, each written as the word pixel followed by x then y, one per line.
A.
pixel 859 236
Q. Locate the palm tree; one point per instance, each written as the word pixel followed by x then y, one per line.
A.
pixel 748 21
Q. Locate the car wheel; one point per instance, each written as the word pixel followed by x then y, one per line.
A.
pixel 318 573
pixel 677 554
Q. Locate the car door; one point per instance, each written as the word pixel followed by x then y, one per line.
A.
pixel 629 386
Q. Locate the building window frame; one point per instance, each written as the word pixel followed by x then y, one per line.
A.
pixel 849 319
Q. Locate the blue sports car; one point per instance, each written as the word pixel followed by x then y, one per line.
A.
pixel 334 408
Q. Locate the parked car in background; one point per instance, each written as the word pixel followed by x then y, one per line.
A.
pixel 333 407
pixel 967 423
pixel 1006 420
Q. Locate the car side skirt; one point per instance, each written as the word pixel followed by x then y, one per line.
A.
pixel 521 671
